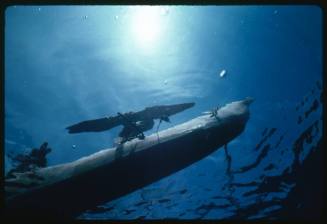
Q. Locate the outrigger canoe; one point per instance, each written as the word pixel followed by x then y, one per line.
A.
pixel 66 190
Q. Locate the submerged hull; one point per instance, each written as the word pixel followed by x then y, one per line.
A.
pixel 66 190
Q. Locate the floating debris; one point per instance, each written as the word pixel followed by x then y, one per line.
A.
pixel 299 120
pixel 279 141
pixel 165 82
pixel 264 132
pixel 305 138
pixel 164 200
pixel 223 73
pixel 183 191
pixel 183 213
pixel 74 146
pixel 85 17
pixel 204 209
pixel 272 131
pixel 269 167
pixel 140 203
pixel 116 17
pixel 129 211
pixel 276 12
pixel 264 139
pixel 249 184
pixel 313 108
pixel 258 160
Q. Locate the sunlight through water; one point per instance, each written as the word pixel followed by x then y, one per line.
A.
pixel 146 25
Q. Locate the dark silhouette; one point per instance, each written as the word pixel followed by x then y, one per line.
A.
pixel 313 108
pixel 135 123
pixel 35 159
pixel 264 139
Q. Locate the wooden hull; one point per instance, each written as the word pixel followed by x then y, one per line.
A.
pixel 66 190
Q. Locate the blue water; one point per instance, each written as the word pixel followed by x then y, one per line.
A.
pixel 65 64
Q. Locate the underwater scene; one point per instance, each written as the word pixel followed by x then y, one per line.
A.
pixel 164 112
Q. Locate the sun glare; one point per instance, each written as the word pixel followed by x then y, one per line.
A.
pixel 146 25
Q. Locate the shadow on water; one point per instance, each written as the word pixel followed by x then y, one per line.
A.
pixel 304 179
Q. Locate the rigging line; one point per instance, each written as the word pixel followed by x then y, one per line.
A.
pixel 230 176
pixel 158 130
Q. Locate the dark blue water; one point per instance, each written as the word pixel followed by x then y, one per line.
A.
pixel 65 64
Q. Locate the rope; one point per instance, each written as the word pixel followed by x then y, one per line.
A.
pixel 230 176
pixel 158 130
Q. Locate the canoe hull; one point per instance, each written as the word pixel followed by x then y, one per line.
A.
pixel 72 196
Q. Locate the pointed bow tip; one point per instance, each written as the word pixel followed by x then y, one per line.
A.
pixel 248 100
